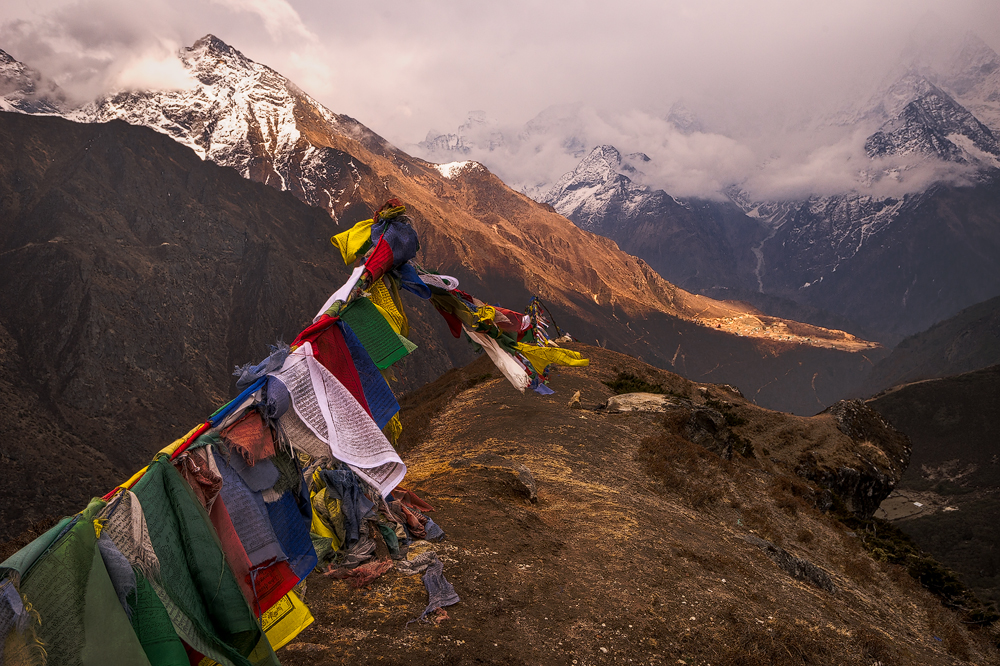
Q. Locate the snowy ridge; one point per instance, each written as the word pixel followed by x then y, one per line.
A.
pixel 597 187
pixel 925 123
pixel 972 76
pixel 241 114
pixel 454 169
pixel 820 233
pixel 23 91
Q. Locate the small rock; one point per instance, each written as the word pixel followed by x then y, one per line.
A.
pixel 574 402
pixel 732 389
pixel 603 649
pixel 639 402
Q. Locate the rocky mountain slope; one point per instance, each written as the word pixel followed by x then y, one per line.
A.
pixel 698 244
pixel 968 341
pixel 137 275
pixel 244 115
pixel 608 537
pixel 949 498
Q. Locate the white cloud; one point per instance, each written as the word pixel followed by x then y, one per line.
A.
pixel 759 75
pixel 154 69
pixel 279 18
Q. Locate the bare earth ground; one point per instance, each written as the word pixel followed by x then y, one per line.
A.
pixel 634 550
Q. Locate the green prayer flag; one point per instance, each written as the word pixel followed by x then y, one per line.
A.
pixel 82 619
pixel 196 586
pixel 377 336
pixel 153 627
pixel 22 560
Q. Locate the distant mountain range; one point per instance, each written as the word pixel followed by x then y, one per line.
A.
pixel 883 266
pixel 501 245
pixel 23 89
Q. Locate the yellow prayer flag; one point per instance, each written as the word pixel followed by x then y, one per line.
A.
pixel 351 241
pixel 540 357
pixel 383 301
pixel 285 620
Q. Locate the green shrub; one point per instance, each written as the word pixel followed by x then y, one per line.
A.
pixel 887 543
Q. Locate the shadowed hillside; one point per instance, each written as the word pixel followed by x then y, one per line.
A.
pixel 968 341
pixel 954 473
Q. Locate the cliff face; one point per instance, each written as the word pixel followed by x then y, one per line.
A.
pixel 949 499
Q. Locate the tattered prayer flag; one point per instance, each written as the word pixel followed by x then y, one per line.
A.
pixel 285 620
pixel 506 363
pixel 83 621
pixel 328 411
pixel 331 350
pixel 381 260
pixel 205 602
pixel 354 241
pixel 374 332
pixel 542 357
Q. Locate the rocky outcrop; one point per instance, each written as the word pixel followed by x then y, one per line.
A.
pixel 639 402
pixel 707 427
pixel 700 425
pixel 880 457
pixel 796 567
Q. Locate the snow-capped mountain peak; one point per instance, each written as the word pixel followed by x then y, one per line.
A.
pixel 240 113
pixel 601 182
pixel 22 89
pixel 926 120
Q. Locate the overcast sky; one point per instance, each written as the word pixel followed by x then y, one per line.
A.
pixel 751 70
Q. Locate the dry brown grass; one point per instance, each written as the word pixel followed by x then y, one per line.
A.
pixel 693 472
pixel 418 414
pixel 750 642
pixel 805 536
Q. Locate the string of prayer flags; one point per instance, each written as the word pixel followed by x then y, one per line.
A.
pixel 195 559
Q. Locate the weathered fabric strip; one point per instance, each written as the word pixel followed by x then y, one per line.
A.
pixel 194 573
pixel 506 363
pixel 249 516
pixel 381 402
pixel 323 404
